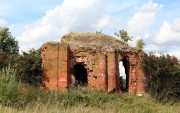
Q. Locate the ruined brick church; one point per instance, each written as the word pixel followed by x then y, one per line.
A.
pixel 92 60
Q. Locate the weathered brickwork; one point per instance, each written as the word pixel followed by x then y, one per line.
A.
pixel 91 59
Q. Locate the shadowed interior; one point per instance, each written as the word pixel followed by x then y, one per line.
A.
pixel 80 75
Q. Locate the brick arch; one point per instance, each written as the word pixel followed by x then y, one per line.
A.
pixel 85 58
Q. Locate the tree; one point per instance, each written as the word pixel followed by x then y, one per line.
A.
pixel 140 44
pixel 123 36
pixel 8 47
pixel 28 66
pixel 8 44
pixel 164 76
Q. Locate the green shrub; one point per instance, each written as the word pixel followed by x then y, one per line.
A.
pixel 123 84
pixel 29 68
pixel 9 87
pixel 164 76
pixel 14 93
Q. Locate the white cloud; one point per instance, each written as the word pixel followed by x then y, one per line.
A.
pixel 71 15
pixel 144 17
pixel 3 22
pixel 174 53
pixel 152 48
pixel 104 22
pixel 176 25
pixel 169 34
pixel 163 49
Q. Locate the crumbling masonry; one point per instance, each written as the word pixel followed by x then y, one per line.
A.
pixel 92 60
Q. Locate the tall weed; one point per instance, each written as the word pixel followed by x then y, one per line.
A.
pixel 9 87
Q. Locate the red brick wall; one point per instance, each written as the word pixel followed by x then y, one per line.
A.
pixel 49 54
pixel 102 72
pixel 112 72
pixel 102 68
pixel 63 68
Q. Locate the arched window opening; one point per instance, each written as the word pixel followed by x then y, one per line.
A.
pixel 124 75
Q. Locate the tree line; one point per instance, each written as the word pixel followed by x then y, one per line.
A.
pixel 162 71
pixel 27 64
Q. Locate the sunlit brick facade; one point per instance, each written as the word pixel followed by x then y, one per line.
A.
pixel 92 60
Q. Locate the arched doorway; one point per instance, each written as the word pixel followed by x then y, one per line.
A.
pixel 124 67
pixel 80 73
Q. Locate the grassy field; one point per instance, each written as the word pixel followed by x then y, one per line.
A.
pixel 81 100
pixel 16 97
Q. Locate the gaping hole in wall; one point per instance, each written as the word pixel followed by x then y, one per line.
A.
pixel 124 75
pixel 80 73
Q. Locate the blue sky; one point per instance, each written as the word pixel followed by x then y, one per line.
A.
pixel 34 22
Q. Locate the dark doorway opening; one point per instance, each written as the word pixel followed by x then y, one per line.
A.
pixel 80 75
pixel 124 75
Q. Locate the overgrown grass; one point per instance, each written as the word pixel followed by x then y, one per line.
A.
pixel 21 98
pixel 94 102
pixel 9 87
